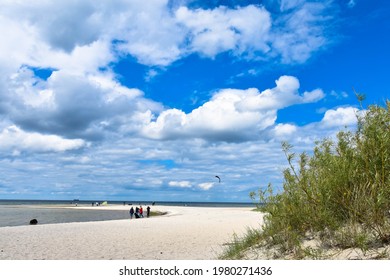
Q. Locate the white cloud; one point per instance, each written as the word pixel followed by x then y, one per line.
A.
pixel 65 24
pixel 86 35
pixel 332 122
pixel 155 35
pixel 82 59
pixel 69 29
pixel 283 130
pixel 231 114
pixel 14 139
pixel 12 32
pixel 75 105
pixel 300 32
pixel 313 96
pixel 252 32
pixel 339 117
pixel 151 74
pixel 57 40
pixel 222 29
pixel 206 186
pixel 149 32
pixel 180 184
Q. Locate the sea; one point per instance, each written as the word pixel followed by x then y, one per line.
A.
pixel 20 212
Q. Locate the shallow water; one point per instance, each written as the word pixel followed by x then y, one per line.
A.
pixel 21 215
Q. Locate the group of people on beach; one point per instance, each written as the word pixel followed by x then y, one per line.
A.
pixel 139 212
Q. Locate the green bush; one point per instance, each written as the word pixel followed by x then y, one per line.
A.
pixel 344 183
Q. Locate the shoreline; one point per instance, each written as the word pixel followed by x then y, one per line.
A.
pixel 70 203
pixel 183 233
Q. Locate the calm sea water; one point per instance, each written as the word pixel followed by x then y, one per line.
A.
pixel 20 212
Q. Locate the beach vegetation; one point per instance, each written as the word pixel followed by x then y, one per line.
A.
pixel 157 213
pixel 236 248
pixel 339 195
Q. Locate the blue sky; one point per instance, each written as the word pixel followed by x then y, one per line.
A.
pixel 150 100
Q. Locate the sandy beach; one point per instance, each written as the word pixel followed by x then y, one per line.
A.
pixel 185 233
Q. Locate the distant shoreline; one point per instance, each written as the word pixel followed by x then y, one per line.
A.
pixel 89 202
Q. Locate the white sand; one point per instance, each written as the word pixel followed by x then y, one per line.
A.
pixel 185 233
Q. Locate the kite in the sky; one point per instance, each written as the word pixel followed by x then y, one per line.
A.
pixel 218 178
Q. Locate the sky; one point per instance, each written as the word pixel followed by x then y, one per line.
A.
pixel 150 100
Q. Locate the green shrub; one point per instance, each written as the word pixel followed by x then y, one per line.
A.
pixel 344 183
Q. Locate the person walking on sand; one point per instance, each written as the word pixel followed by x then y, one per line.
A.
pixel 148 211
pixel 137 213
pixel 131 212
pixel 141 211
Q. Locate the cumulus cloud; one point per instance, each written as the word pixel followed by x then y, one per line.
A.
pixel 283 130
pixel 222 29
pixel 231 114
pixel 155 35
pixel 16 140
pixel 65 24
pixel 180 184
pixel 253 32
pixel 39 49
pixel 339 117
pixel 333 120
pixel 80 100
pixel 158 33
pixel 149 32
pixel 12 32
pixel 74 105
